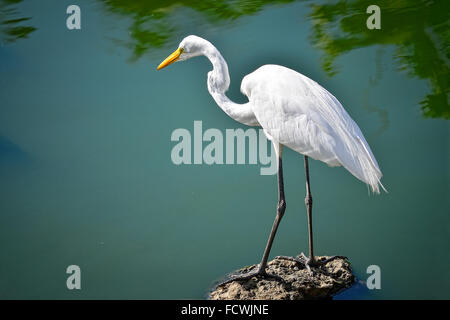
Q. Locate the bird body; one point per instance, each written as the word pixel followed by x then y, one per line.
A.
pixel 296 112
pixel 293 110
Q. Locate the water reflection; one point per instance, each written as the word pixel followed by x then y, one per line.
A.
pixel 12 26
pixel 85 156
pixel 153 25
pixel 419 30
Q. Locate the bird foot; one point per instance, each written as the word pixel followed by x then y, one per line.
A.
pixel 304 262
pixel 259 274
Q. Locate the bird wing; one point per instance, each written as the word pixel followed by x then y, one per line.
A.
pixel 300 114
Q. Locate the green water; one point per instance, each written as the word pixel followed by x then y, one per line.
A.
pixel 86 176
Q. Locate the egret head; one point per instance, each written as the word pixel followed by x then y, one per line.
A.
pixel 189 47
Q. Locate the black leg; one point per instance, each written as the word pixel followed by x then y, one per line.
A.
pixel 302 260
pixel 281 207
pixel 308 203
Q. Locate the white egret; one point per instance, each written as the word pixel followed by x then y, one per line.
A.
pixel 296 112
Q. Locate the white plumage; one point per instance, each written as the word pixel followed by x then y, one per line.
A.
pixel 293 110
pixel 296 112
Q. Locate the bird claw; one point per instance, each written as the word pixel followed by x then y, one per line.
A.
pixel 301 260
pixel 247 276
pixel 304 262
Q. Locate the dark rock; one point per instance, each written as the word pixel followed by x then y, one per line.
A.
pixel 326 281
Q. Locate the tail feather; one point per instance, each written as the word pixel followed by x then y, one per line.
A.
pixel 355 155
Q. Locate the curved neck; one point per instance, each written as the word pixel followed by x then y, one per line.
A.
pixel 218 84
pixel 218 78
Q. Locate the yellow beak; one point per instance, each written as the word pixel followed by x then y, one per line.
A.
pixel 170 59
